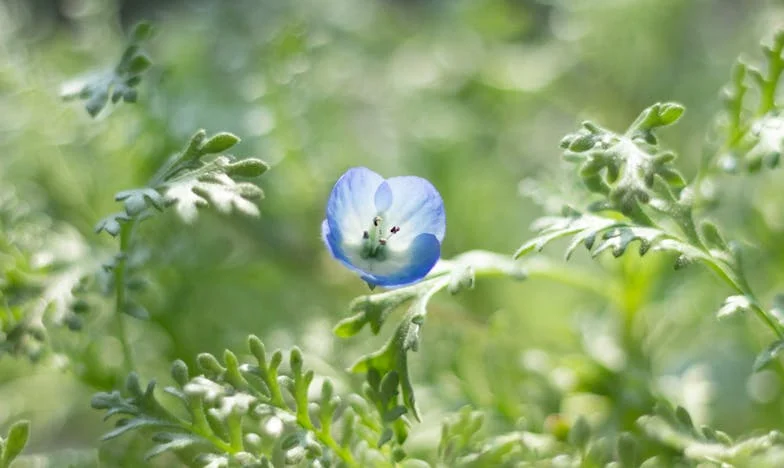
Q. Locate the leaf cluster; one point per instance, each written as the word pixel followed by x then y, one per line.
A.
pixel 624 167
pixel 39 278
pixel 675 430
pixel 464 445
pixel 642 198
pixel 752 129
pixel 388 383
pixel 633 181
pixel 200 175
pixel 248 414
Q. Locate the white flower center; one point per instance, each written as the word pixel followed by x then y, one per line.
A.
pixel 374 240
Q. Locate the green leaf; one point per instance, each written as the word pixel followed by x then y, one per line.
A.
pixel 15 442
pixel 137 200
pixel 734 305
pixel 712 236
pixel 249 168
pixel 169 441
pixel 218 143
pixel 125 425
pixel 683 417
pixel 584 227
pixel 670 112
pixel 390 366
pixel 658 115
pixel 218 190
pixel 768 355
pixel 141 32
pixel 139 64
pixel 179 372
pixel 118 82
pixel 112 223
pixel 373 309
pixel 623 167
pixel 753 131
pixel 679 435
pixel 599 234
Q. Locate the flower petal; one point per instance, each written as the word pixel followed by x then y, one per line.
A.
pixel 332 240
pixel 334 244
pixel 383 197
pixel 398 269
pixel 416 207
pixel 350 206
pixel 407 266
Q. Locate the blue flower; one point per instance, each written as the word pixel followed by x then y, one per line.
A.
pixel 387 231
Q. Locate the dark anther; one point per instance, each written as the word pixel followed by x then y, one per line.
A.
pixel 376 220
pixel 365 235
pixel 382 241
pixel 395 229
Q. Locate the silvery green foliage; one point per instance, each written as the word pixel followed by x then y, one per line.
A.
pixel 667 432
pixel 675 430
pixel 388 384
pixel 264 413
pixel 40 276
pixel 753 131
pixel 120 82
pixel 464 444
pixel 639 196
pixel 200 175
pixel 249 414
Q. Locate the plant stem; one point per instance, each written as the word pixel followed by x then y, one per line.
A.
pixel 126 230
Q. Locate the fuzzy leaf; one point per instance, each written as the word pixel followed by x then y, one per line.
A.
pixel 584 228
pixel 125 425
pixel 118 83
pixel 734 305
pixel 685 440
pixel 768 355
pixel 623 167
pixel 599 233
pixel 112 223
pixel 219 190
pixel 219 143
pixel 754 131
pixel 137 200
pixel 15 442
pixel 249 168
pixel 173 442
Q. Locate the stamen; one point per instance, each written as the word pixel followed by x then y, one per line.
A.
pixel 373 245
pixel 395 229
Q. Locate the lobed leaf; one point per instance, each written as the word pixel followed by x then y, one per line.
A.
pixel 623 167
pixel 120 82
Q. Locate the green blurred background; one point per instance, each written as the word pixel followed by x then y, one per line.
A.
pixel 473 95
